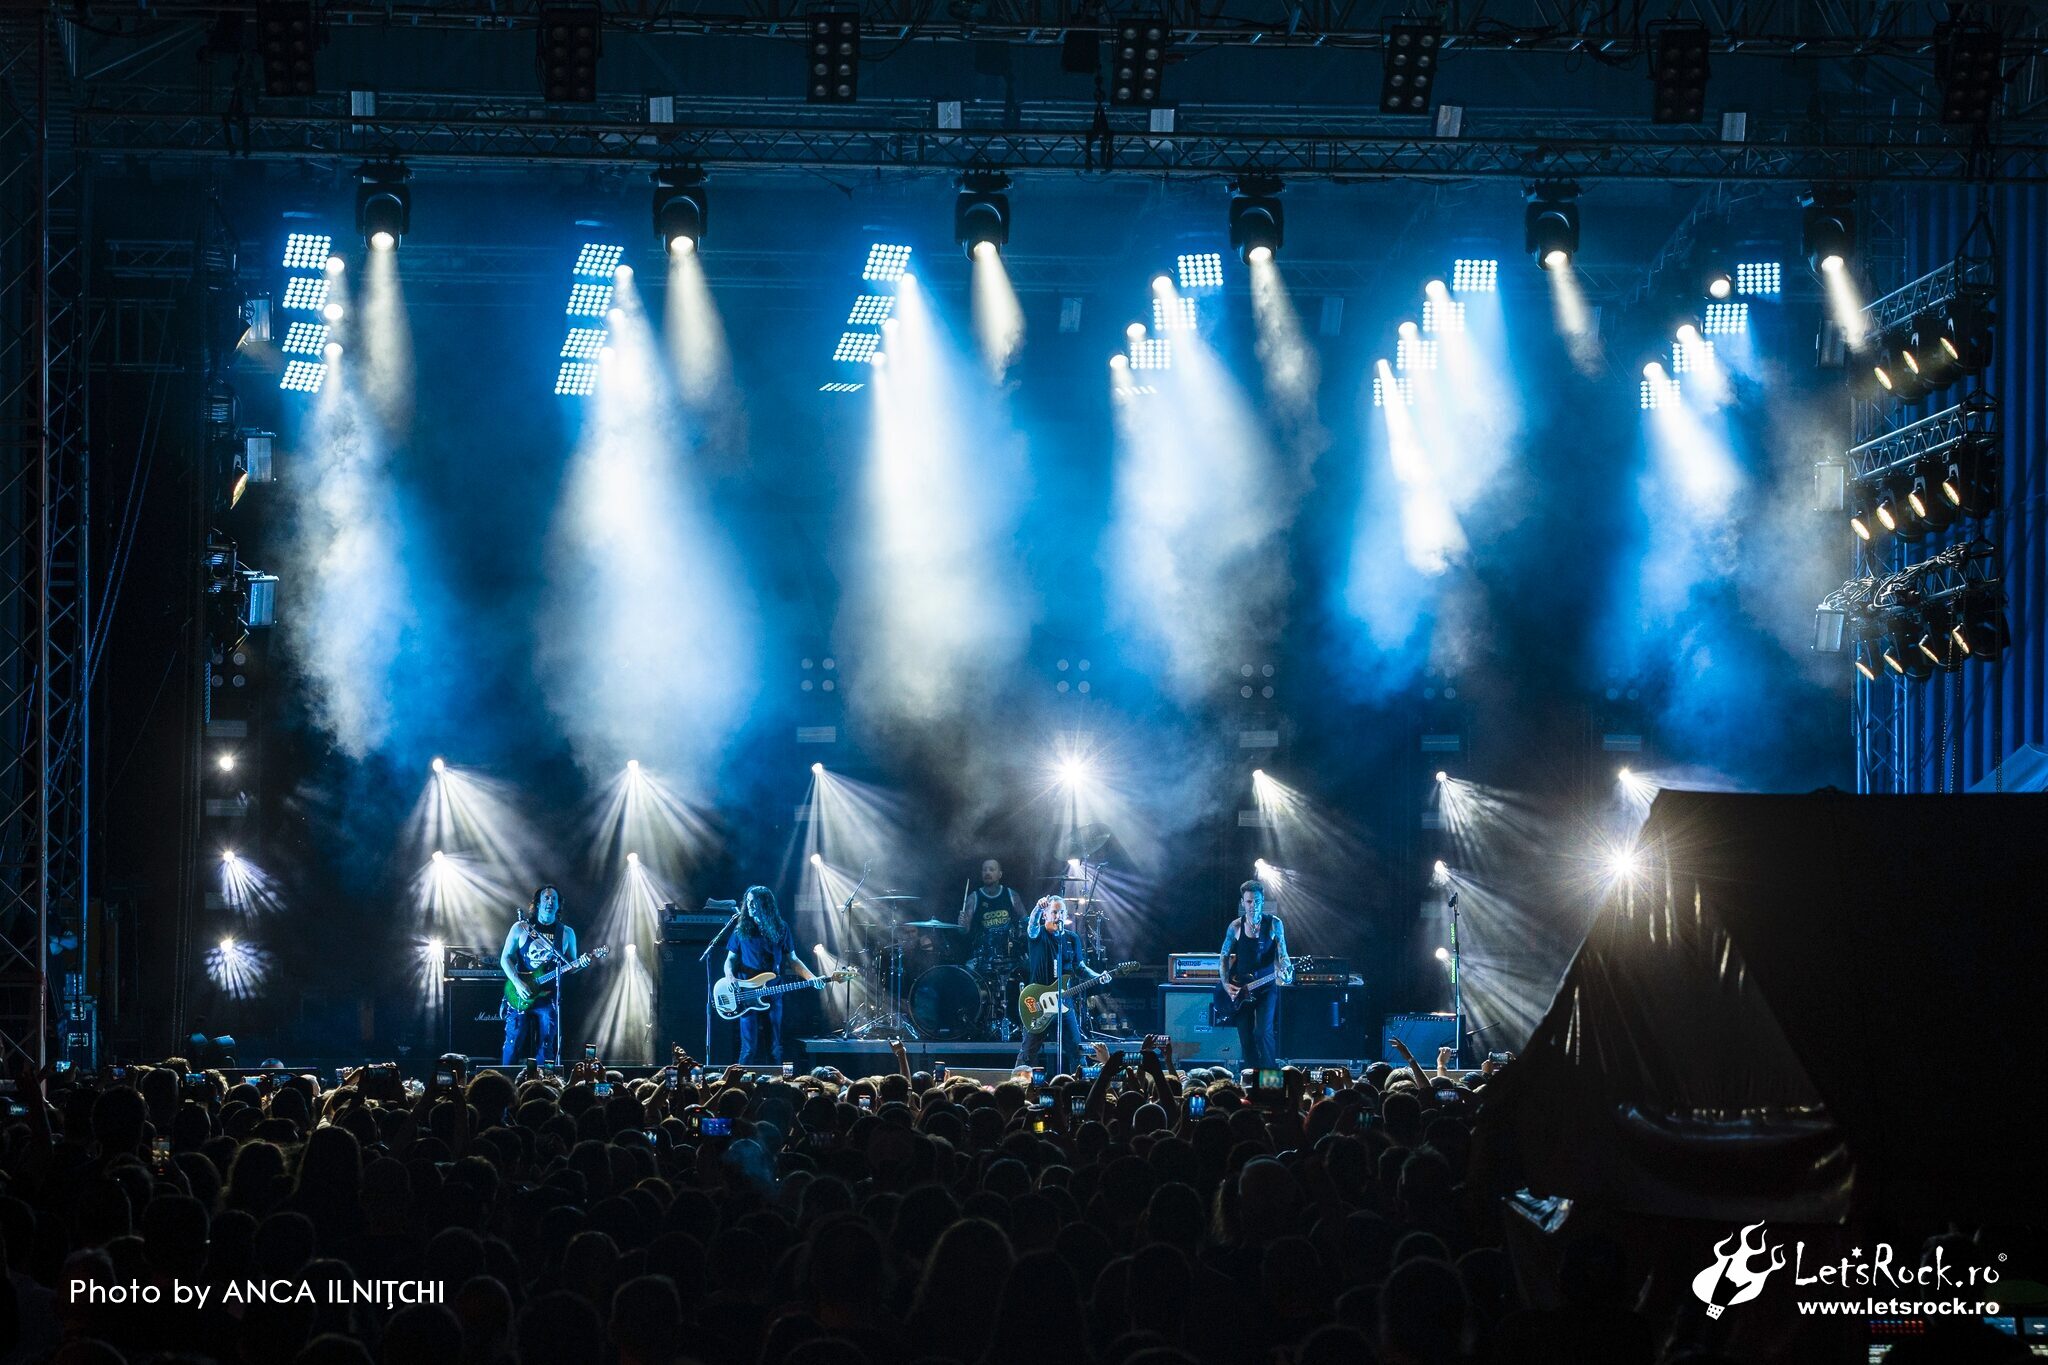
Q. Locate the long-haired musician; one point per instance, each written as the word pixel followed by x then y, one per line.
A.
pixel 537 941
pixel 762 943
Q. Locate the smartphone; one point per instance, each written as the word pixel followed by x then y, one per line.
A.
pixel 1315 1075
pixel 1500 1058
pixel 867 1102
pixel 1447 1096
pixel 696 1123
pixel 1329 1092
pixel 603 1089
pixel 444 1078
pixel 590 1052
pixel 119 1073
pixel 788 1070
pixel 717 1127
pixel 1198 1105
pixel 669 1081
pixel 696 1075
pixel 1271 1079
pixel 1091 1073
pixel 1045 1101
pixel 1077 1104
pixel 938 1072
pixel 160 1152
pixel 1037 1077
pixel 652 1135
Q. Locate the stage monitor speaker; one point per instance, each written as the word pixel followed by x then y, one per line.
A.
pixel 1423 1033
pixel 1323 1023
pixel 1184 1017
pixel 682 992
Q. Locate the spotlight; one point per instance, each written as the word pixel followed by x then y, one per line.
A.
pixel 981 212
pixel 1200 270
pixel 571 37
pixel 817 770
pixel 1969 67
pixel 834 57
pixel 817 861
pixel 1442 776
pixel 439 856
pixel 1550 224
pixel 227 945
pixel 632 860
pixel 227 855
pixel 1902 654
pixel 1866 662
pixel 383 205
pixel 435 948
pixel 1678 68
pixel 1439 872
pixel 227 763
pixel 1827 227
pixel 1624 775
pixel 333 312
pixel 1072 772
pixel 682 209
pixel 1861 523
pixel 632 767
pixel 1135 332
pixel 1443 954
pixel 1982 631
pixel 1139 68
pixel 1716 282
pixel 440 766
pixel 1258 774
pixel 1257 221
pixel 1622 863
pixel 1408 73
pixel 632 948
pixel 287 37
pixel 1970 482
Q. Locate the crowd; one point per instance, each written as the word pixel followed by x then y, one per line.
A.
pixel 1137 1214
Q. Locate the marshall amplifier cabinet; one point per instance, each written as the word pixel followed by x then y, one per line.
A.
pixel 476 1017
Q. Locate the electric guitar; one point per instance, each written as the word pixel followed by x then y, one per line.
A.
pixel 530 990
pixel 1041 1002
pixel 732 998
pixel 1223 1010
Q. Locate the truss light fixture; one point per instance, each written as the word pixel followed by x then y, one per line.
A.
pixel 886 261
pixel 303 376
pixel 871 310
pixel 1410 49
pixel 1443 315
pixel 599 260
pixel 832 56
pixel 1759 278
pixel 839 386
pixel 1151 353
pixel 1726 319
pixel 305 338
pixel 576 379
pixel 307 250
pixel 1678 71
pixel 1969 63
pixel 304 294
pixel 682 208
pixel 981 212
pixel 1258 221
pixel 857 348
pixel 1550 224
pixel 1172 313
pixel 1401 391
pixel 383 204
pixel 588 300
pixel 1139 68
pixel 1470 275
pixel 1827 227
pixel 287 35
pixel 585 343
pixel 571 37
pixel 1200 270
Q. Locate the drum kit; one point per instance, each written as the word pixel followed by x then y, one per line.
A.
pixel 923 980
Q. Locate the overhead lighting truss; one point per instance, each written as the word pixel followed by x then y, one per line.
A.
pixel 1939 613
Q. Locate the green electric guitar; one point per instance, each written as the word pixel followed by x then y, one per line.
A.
pixel 538 987
pixel 1040 1003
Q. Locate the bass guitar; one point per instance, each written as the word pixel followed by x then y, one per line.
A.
pixel 530 990
pixel 1223 1010
pixel 1041 1002
pixel 732 998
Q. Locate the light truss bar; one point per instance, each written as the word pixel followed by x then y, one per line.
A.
pixel 1966 275
pixel 1975 416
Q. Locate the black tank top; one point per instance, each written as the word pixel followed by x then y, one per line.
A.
pixel 1253 957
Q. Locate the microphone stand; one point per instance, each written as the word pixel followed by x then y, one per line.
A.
pixel 1457 988
pixel 846 986
pixel 704 957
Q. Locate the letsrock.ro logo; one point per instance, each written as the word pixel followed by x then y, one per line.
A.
pixel 1732 1278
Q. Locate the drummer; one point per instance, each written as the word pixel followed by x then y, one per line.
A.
pixel 991 914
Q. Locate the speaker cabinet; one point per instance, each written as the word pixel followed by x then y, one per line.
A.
pixel 1423 1033
pixel 476 1019
pixel 1184 1017
pixel 1323 1023
pixel 684 996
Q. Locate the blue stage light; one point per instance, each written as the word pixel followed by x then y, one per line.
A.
pixel 1402 392
pixel 840 386
pixel 1684 355
pixel 857 347
pixel 576 379
pixel 583 343
pixel 303 376
pixel 1475 276
pixel 1413 353
pixel 886 262
pixel 1151 353
pixel 306 338
pixel 305 293
pixel 871 310
pixel 1759 277
pixel 1443 315
pixel 1172 314
pixel 598 260
pixel 1726 319
pixel 1201 270
pixel 1659 390
pixel 589 300
pixel 307 250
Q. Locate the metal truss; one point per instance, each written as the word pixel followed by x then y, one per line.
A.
pixel 157 123
pixel 45 597
pixel 1975 419
pixel 1966 276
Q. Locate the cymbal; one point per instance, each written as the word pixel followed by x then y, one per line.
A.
pixel 928 924
pixel 890 897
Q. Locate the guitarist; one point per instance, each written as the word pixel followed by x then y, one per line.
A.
pixel 762 943
pixel 1255 945
pixel 1053 950
pixel 537 941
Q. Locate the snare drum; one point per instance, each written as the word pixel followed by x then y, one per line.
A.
pixel 947 1004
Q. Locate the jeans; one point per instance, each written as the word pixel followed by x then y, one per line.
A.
pixel 1258 1030
pixel 761 1034
pixel 521 1027
pixel 1063 1038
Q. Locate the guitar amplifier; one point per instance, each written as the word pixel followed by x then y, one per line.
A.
pixel 1322 1022
pixel 1184 1017
pixel 1186 969
pixel 476 1012
pixel 682 995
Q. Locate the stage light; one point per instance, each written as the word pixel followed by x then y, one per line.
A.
pixel 1623 775
pixel 1442 776
pixel 584 343
pixel 1861 523
pixel 1408 68
pixel 1759 277
pixel 1717 283
pixel 856 348
pixel 1411 353
pixel 632 860
pixel 981 211
pixel 332 351
pixel 1827 228
pixel 226 763
pixel 305 338
pixel 1969 67
pixel 1726 319
pixel 1258 774
pixel 1439 872
pixel 588 300
pixel 817 770
pixel 1982 631
pixel 1443 954
pixel 1155 353
pixel 332 311
pixel 833 70
pixel 227 945
pixel 571 37
pixel 886 261
pixel 871 310
pixel 632 767
pixel 1970 482
pixel 1623 863
pixel 598 260
pixel 576 379
pixel 682 208
pixel 1475 276
pixel 1550 224
pixel 287 36
pixel 1443 315
pixel 1119 361
pixel 817 861
pixel 436 949
pixel 440 857
pixel 336 265
pixel 440 766
pixel 307 250
pixel 1139 65
pixel 304 294
pixel 383 204
pixel 303 376
pixel 1072 772
pixel 1200 270
pixel 1171 313
pixel 1865 663
pixel 1678 69
pixel 1257 220
pixel 1392 388
pixel 228 856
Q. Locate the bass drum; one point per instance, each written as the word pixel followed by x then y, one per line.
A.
pixel 946 1002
